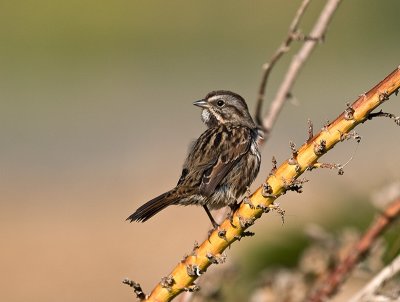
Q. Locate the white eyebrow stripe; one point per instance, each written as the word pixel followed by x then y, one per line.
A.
pixel 215 97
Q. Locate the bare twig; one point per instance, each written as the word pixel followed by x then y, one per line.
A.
pixel 317 34
pixel 367 293
pixel 283 48
pixel 340 273
pixel 136 288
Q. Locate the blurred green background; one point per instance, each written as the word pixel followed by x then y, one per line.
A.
pixel 96 117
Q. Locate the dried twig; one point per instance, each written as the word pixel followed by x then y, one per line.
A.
pixel 136 288
pixel 331 284
pixel 283 48
pixel 367 293
pixel 317 34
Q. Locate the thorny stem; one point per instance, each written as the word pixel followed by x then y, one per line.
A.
pixel 182 276
pixel 332 283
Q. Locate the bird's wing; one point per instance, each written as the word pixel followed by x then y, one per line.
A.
pixel 224 154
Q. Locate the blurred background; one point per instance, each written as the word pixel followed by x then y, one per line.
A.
pixel 96 117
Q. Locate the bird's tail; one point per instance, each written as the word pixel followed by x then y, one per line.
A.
pixel 151 208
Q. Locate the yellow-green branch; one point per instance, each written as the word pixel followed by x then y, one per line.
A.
pixel 188 270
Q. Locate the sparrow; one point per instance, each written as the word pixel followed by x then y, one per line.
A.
pixel 221 164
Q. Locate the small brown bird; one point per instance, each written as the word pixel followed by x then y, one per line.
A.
pixel 222 162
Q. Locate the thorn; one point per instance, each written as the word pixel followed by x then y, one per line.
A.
pixel 293 159
pixel 192 288
pixel 246 198
pixel 293 149
pixel 325 127
pixel 274 167
pixel 248 192
pixel 385 114
pixel 279 210
pixel 350 135
pixel 193 270
pixel 295 185
pixel 167 282
pixel 195 247
pixel 320 148
pixel 247 201
pixel 216 259
pixel 333 166
pixel 264 208
pixel 136 288
pixel 222 235
pixel 349 112
pixel 184 258
pixel 383 96
pixel 244 234
pixel 312 167
pixel 246 222
pixel 266 190
pixel 310 130
pixel 248 234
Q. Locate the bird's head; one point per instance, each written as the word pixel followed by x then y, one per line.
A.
pixel 225 107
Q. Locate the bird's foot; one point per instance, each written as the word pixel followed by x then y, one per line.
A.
pixel 233 207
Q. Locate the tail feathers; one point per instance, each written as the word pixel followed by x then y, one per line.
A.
pixel 151 208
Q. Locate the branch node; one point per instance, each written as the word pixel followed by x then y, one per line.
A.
pixel 325 127
pixel 222 234
pixel 247 201
pixel 293 160
pixel 193 270
pixel 383 96
pixel 274 166
pixel 295 185
pixel 351 135
pixel 320 148
pixel 216 259
pixel 264 208
pixel 192 288
pixel 195 247
pixel 246 222
pixel 293 149
pixel 266 190
pixel 167 282
pixel 184 258
pixel 384 114
pixel 328 166
pixel 279 210
pixel 310 130
pixel 349 112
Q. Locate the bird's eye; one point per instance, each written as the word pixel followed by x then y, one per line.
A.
pixel 220 103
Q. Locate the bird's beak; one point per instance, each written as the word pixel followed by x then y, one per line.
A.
pixel 201 103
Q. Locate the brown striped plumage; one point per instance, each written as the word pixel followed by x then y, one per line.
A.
pixel 221 164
